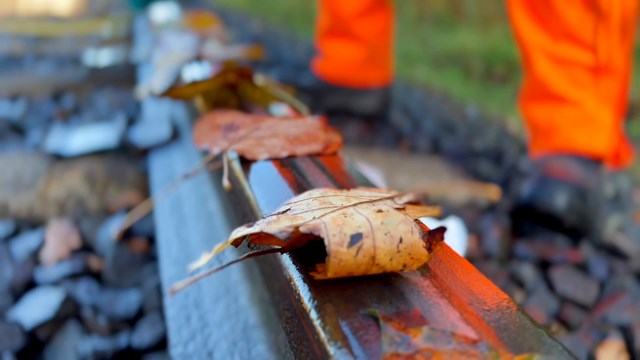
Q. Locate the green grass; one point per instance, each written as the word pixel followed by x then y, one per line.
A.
pixel 463 48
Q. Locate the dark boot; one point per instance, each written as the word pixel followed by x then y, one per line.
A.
pixel 361 115
pixel 334 100
pixel 562 193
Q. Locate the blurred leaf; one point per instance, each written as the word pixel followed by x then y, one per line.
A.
pixel 228 77
pixel 235 87
pixel 261 137
pixel 402 339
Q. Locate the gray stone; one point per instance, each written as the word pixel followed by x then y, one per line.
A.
pixel 158 355
pixel 573 284
pixel 68 102
pixel 526 274
pixel 151 291
pixel 576 343
pixel 89 226
pixel 12 110
pixel 598 266
pixel 621 284
pixel 6 300
pixel 98 323
pixel 75 265
pixel 154 127
pixel 25 245
pixel 63 344
pixel 572 315
pixel 494 237
pixel 7 228
pixel 635 337
pixel 34 137
pixel 84 291
pixel 12 337
pixel 75 139
pixel 620 309
pixel 103 347
pixel 10 140
pixel 123 267
pixel 7 269
pixel 542 305
pixel 37 307
pixel 553 252
pixel 120 304
pixel 148 332
pixel 144 227
pixel 106 234
pixel 7 355
pixel 626 245
pixel 23 276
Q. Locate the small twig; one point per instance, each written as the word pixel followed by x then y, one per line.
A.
pixel 191 280
pixel 226 184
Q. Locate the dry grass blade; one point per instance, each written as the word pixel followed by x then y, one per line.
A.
pixel 206 257
pixel 278 92
pixel 189 281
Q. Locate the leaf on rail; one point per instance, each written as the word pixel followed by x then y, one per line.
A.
pixel 411 338
pixel 365 231
pixel 260 137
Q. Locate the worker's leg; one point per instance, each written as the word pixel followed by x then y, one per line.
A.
pixel 577 57
pixel 354 39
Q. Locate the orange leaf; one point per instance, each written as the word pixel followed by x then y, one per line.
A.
pixel 404 339
pixel 260 137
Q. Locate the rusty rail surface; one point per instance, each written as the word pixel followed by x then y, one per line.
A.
pixel 272 308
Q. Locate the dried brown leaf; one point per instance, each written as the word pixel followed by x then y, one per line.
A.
pixel 365 231
pixel 260 137
pixel 236 87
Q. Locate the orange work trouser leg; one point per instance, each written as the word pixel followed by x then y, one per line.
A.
pixel 577 57
pixel 354 39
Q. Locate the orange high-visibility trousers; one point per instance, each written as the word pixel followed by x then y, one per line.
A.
pixel 354 40
pixel 577 57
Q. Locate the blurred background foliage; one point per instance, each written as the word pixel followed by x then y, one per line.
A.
pixel 463 48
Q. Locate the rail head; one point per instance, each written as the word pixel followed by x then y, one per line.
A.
pixel 277 309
